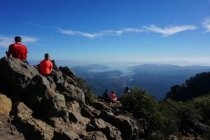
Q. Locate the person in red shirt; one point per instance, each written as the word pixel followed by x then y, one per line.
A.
pixel 113 97
pixel 47 69
pixel 46 66
pixel 18 50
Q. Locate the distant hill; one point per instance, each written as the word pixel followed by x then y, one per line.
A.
pixel 156 79
pixel 194 87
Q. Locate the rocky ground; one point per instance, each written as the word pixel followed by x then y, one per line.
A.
pixel 37 108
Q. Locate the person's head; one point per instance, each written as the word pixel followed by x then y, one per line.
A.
pixel 17 39
pixel 46 56
pixel 113 92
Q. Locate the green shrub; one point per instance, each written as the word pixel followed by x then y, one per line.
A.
pixel 202 107
pixel 168 117
pixel 89 97
pixel 144 108
pixel 170 110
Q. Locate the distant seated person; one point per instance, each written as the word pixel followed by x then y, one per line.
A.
pixel 127 90
pixel 17 50
pixel 106 95
pixel 113 97
pixel 54 65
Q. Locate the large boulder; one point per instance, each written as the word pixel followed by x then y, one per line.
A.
pixel 32 128
pixel 126 125
pixel 16 73
pixel 7 130
pixel 38 92
pixel 111 132
pixel 72 93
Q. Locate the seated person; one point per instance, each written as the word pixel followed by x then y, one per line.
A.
pixel 106 95
pixel 127 90
pixel 46 66
pixel 18 50
pixel 46 69
pixel 113 97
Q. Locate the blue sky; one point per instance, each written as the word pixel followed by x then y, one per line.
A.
pixel 110 31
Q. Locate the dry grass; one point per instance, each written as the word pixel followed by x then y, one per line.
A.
pixel 5 104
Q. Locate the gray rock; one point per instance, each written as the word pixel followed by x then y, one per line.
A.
pixel 90 112
pixel 7 130
pixel 111 132
pixel 72 93
pixel 17 73
pixel 125 124
pixel 32 128
pixel 47 109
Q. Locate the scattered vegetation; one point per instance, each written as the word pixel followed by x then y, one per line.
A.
pixel 158 120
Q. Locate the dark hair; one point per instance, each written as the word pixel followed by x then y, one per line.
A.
pixel 46 56
pixel 17 39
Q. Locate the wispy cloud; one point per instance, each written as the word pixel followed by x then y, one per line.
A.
pixel 6 40
pixel 29 39
pixel 120 32
pixel 76 33
pixel 206 24
pixel 166 31
pixel 101 33
pixel 171 30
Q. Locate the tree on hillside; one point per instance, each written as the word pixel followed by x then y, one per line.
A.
pixel 194 87
pixel 144 108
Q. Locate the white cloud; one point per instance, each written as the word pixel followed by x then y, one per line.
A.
pixel 6 41
pixel 167 31
pixel 76 33
pixel 29 39
pixel 206 24
pixel 120 32
pixel 100 33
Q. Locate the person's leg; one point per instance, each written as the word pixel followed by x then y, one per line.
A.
pixel 54 76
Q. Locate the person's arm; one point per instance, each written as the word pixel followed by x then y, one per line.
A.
pixel 9 52
pixel 51 66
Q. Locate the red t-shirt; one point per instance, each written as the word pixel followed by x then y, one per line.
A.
pixel 113 97
pixel 18 50
pixel 45 67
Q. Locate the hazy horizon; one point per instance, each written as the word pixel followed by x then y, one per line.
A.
pixel 72 63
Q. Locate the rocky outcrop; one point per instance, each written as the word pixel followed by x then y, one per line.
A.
pixel 125 124
pixel 40 108
pixel 7 130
